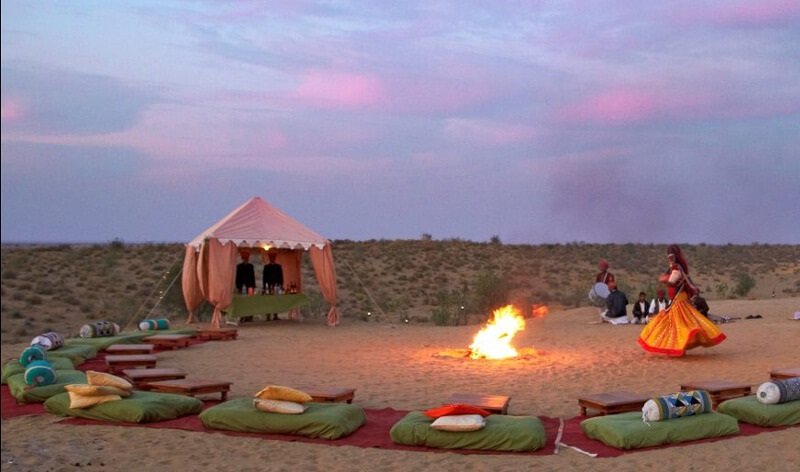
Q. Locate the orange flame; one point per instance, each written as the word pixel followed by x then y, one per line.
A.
pixel 494 340
pixel 539 310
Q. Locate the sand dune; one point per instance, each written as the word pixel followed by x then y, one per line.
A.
pixel 398 366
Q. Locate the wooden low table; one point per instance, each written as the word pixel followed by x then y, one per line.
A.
pixel 191 387
pixel 219 334
pixel 720 390
pixel 784 373
pixel 331 394
pixel 497 404
pixel 169 341
pixel 117 363
pixel 141 378
pixel 608 403
pixel 130 349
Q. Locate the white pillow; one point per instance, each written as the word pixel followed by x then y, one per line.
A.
pixel 459 423
pixel 279 406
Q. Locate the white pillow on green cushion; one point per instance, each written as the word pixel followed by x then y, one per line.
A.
pixel 279 406
pixel 459 423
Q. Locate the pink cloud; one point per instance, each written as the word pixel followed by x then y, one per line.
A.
pixel 618 106
pixel 749 13
pixel 487 132
pixel 340 90
pixel 10 110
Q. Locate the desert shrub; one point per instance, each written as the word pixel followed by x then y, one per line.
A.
pixel 10 274
pixel 448 310
pixel 744 283
pixel 35 300
pixel 16 314
pixel 490 292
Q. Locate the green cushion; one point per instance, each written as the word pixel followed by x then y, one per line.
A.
pixel 78 353
pixel 628 431
pixel 320 420
pixel 151 332
pixel 501 433
pixel 750 410
pixel 24 394
pixel 14 367
pixel 103 342
pixel 140 407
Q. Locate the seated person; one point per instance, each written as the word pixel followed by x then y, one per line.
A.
pixel 616 303
pixel 660 303
pixel 701 304
pixel 640 309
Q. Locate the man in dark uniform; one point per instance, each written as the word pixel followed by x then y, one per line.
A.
pixel 245 274
pixel 272 282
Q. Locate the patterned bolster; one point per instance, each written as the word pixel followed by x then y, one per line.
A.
pixel 677 405
pixel 99 329
pixel 40 373
pixel 32 353
pixel 779 391
pixel 149 325
pixel 50 340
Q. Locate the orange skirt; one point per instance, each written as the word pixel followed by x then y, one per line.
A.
pixel 679 328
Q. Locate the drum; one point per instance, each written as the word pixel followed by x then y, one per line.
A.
pixel 99 329
pixel 149 325
pixel 50 340
pixel 31 354
pixel 39 373
pixel 598 294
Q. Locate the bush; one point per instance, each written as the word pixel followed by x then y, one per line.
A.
pixel 744 283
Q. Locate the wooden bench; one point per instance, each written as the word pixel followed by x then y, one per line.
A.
pixel 497 404
pixel 141 378
pixel 191 387
pixel 784 373
pixel 720 390
pixel 117 363
pixel 130 349
pixel 608 403
pixel 220 334
pixel 331 394
pixel 169 341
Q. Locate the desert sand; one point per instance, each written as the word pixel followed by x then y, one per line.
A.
pixel 396 365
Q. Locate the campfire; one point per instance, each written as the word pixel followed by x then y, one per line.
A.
pixel 494 340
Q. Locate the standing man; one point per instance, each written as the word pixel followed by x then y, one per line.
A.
pixel 245 275
pixel 272 282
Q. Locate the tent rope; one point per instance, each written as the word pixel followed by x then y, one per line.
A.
pixel 149 297
pixel 364 287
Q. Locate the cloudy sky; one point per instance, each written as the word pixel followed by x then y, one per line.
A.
pixel 536 121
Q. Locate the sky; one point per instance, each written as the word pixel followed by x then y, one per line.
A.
pixel 534 121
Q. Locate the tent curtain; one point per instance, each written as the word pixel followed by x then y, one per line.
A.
pixel 192 296
pixel 322 261
pixel 221 268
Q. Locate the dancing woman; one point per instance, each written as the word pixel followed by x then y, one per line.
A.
pixel 680 326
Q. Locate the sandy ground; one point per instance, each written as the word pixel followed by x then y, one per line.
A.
pixel 397 366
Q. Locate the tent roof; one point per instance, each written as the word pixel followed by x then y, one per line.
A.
pixel 257 223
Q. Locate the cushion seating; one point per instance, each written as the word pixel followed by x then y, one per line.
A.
pixel 628 431
pixel 501 433
pixel 320 420
pixel 14 367
pixel 101 343
pixel 140 407
pixel 78 353
pixel 750 410
pixel 25 394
